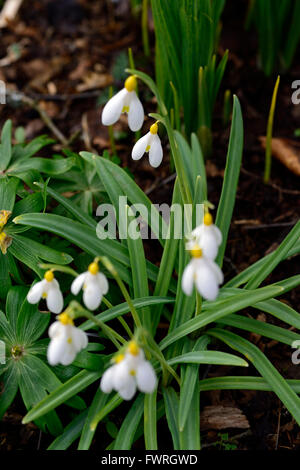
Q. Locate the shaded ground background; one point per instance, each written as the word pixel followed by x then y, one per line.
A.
pixel 65 54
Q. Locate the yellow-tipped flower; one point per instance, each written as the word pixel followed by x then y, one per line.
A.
pixel 125 101
pixel 208 236
pixel 66 341
pixel 130 371
pixel 47 289
pixel 202 272
pixel 94 285
pixel 151 143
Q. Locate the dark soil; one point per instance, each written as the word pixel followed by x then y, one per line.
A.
pixel 62 43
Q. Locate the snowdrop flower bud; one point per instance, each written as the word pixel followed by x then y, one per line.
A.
pixel 204 272
pixel 131 371
pixel 125 101
pixel 208 236
pixel 66 341
pixel 94 285
pixel 47 289
pixel 149 143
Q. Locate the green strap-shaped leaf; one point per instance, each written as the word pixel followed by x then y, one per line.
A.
pixel 231 176
pixel 5 148
pixel 87 434
pixel 208 357
pixel 127 431
pixel 277 383
pixel 231 305
pixel 150 420
pixel 70 388
pixel 120 309
pixel 70 434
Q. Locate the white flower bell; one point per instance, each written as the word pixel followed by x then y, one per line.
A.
pixel 149 143
pixel 125 101
pixel 130 372
pixel 66 341
pixel 204 273
pixel 47 289
pixel 94 285
pixel 208 236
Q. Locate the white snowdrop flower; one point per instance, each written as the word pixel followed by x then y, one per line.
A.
pixel 47 289
pixel 66 341
pixel 94 285
pixel 149 143
pixel 208 236
pixel 204 273
pixel 125 101
pixel 131 371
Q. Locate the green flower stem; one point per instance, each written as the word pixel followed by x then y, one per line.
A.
pixel 121 319
pixel 145 34
pixel 156 352
pixel 76 311
pixel 108 265
pixel 59 268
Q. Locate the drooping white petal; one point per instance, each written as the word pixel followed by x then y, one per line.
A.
pixel 55 329
pixel 136 112
pixel 68 355
pixel 208 243
pixel 128 391
pixel 140 147
pixel 121 375
pixel 217 270
pixel 146 377
pixel 92 295
pixel 78 283
pixel 55 301
pixel 156 151
pixel 35 293
pixel 56 350
pixel 187 281
pixel 113 108
pixel 218 234
pixel 106 383
pixel 103 283
pixel 79 338
pixel 206 282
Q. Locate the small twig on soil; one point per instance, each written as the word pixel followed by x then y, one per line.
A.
pixel 262 226
pixel 159 183
pixel 17 96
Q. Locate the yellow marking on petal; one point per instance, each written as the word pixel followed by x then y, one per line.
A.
pixel 84 286
pixel 154 128
pixel 196 251
pixel 130 83
pixel 44 295
pixel 208 219
pixel 49 276
pixel 125 109
pixel 65 319
pixel 69 340
pixel 119 358
pixel 147 148
pixel 132 372
pixel 133 348
pixel 93 268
